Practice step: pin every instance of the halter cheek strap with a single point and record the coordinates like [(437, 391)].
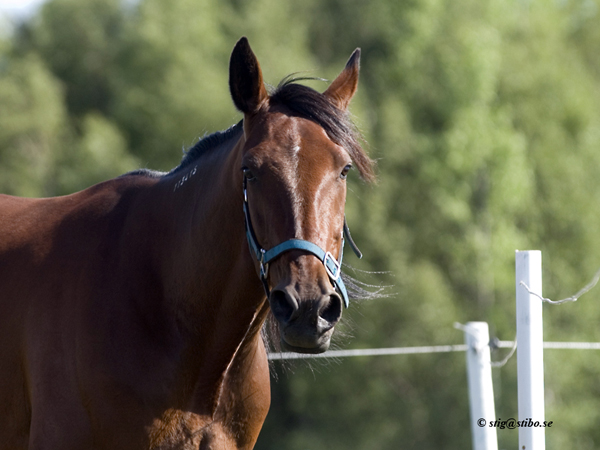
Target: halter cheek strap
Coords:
[(264, 257)]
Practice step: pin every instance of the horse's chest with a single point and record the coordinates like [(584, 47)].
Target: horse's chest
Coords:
[(186, 431)]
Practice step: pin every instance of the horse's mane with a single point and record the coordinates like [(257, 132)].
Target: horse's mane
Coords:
[(207, 143), (204, 145)]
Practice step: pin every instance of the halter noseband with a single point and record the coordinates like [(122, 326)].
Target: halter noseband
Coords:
[(264, 257)]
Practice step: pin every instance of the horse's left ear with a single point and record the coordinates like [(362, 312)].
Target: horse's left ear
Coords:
[(341, 91), (245, 79)]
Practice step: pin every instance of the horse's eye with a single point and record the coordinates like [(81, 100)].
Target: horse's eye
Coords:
[(344, 173), (248, 174)]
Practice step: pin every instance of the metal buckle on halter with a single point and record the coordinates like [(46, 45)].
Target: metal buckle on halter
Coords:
[(264, 267), (334, 273)]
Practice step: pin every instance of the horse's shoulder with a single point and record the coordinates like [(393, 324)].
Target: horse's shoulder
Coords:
[(105, 196)]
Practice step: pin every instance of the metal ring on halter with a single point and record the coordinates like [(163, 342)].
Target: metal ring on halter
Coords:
[(264, 266)]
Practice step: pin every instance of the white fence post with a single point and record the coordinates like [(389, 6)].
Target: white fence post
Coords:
[(530, 350), (481, 389)]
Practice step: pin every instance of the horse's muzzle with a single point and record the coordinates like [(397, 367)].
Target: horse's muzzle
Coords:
[(306, 325)]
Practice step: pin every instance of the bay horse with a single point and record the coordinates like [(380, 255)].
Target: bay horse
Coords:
[(131, 312)]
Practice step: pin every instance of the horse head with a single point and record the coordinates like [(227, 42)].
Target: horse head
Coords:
[(299, 147)]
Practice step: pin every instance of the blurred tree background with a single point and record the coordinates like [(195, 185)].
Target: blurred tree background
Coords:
[(484, 117)]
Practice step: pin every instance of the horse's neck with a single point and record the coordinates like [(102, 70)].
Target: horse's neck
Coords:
[(203, 251), (210, 287)]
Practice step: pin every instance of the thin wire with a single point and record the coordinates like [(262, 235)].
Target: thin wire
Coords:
[(429, 349), (588, 287), (503, 361), (371, 352), (573, 345)]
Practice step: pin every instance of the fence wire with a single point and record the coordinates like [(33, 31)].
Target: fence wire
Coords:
[(425, 349)]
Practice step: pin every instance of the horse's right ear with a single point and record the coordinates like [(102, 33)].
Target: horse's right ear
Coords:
[(245, 79)]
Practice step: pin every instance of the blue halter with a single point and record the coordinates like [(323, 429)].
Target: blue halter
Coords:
[(264, 257)]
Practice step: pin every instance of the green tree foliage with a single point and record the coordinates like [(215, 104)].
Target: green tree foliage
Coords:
[(484, 116), (32, 118), (79, 42)]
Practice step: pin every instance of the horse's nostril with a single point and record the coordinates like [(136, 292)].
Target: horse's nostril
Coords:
[(283, 305), (332, 312)]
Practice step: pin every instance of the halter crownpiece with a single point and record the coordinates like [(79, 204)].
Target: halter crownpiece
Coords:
[(333, 266)]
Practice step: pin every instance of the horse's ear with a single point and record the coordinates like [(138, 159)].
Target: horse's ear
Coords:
[(245, 79), (341, 91)]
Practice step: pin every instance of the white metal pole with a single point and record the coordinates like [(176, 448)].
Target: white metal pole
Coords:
[(530, 350), (481, 389)]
